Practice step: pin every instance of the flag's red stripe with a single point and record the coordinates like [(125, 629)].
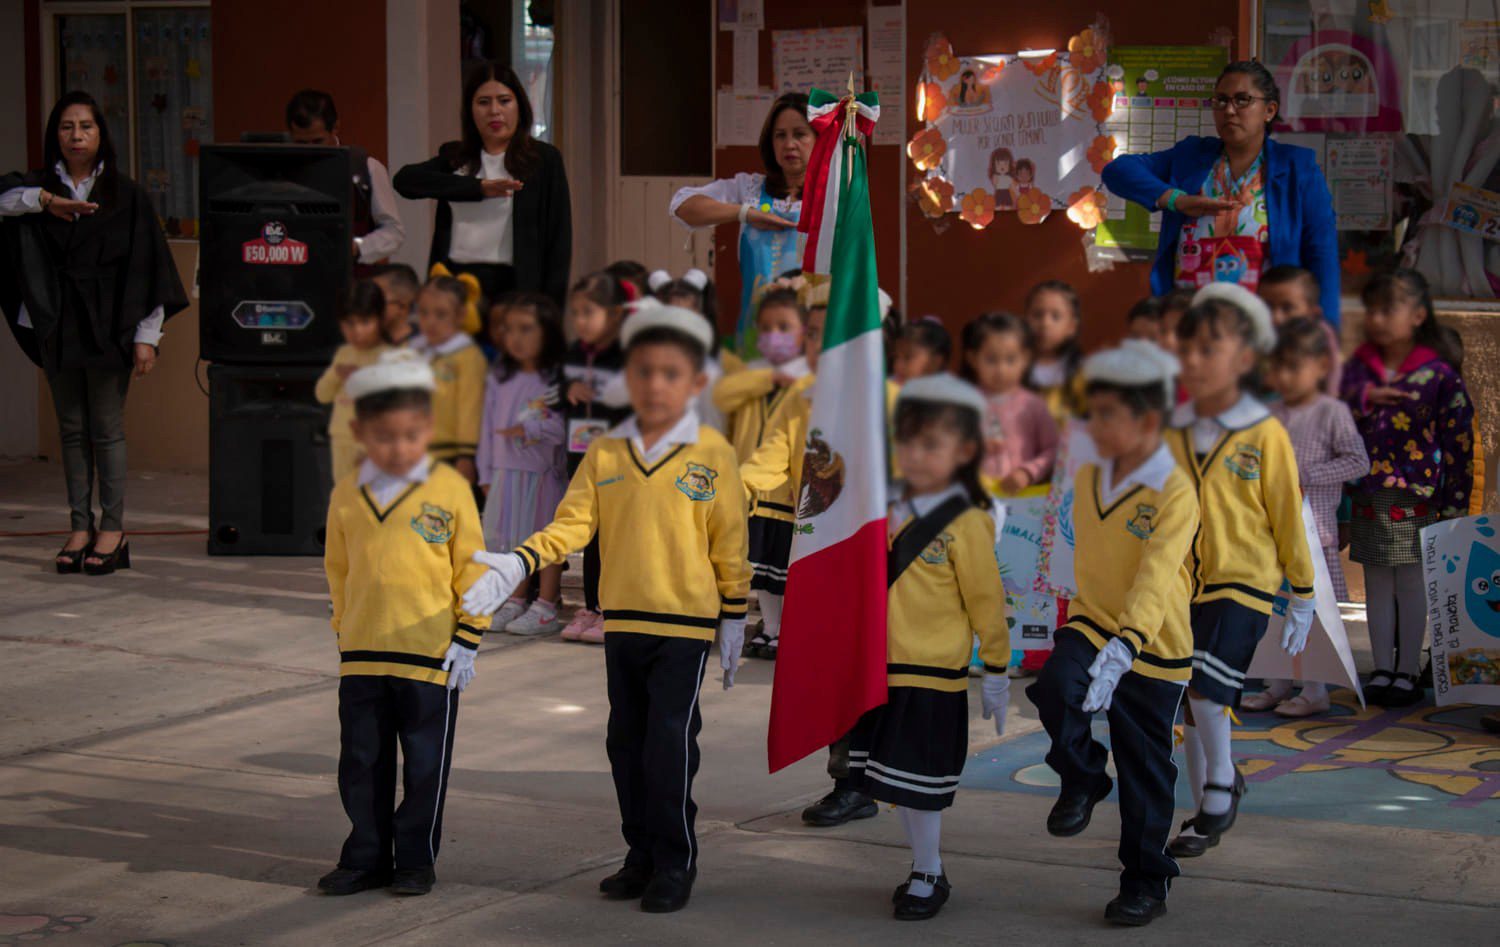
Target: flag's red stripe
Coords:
[(830, 666), (815, 185)]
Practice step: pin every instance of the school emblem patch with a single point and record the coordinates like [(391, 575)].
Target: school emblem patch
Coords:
[(697, 482), (433, 524), (1244, 460), (822, 477), (1143, 523), (936, 553)]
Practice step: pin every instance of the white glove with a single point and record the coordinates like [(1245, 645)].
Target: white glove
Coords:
[(1299, 619), (731, 643), (459, 663), (1109, 666), (493, 589), (994, 697)]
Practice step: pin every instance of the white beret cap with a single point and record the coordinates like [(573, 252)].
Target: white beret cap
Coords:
[(1135, 363), (1248, 303), (396, 369), (885, 302), (943, 388), (651, 314)]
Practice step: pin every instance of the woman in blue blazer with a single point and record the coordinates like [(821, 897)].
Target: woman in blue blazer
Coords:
[(1230, 193)]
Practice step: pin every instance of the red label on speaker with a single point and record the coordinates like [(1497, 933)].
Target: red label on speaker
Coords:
[(273, 247)]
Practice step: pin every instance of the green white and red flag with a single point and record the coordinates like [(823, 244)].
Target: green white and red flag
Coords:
[(831, 661)]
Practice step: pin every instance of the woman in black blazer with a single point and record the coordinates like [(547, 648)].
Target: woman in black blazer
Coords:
[(503, 209), (86, 281)]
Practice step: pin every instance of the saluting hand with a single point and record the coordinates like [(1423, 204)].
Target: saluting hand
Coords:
[(67, 208), (1196, 205), (499, 187)]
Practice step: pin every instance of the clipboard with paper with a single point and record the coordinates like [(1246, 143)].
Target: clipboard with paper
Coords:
[(1327, 657)]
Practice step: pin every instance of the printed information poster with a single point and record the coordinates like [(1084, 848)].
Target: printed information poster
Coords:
[(1032, 613), (1161, 97), (1473, 210), (1359, 172), (1461, 560), (824, 58)]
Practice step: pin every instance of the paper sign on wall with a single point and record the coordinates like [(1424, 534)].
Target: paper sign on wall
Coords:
[(823, 58), (740, 116), (887, 39), (1359, 175), (1473, 210)]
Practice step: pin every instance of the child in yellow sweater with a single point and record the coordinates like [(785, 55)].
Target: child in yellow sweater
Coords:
[(360, 321), (459, 367), (402, 531)]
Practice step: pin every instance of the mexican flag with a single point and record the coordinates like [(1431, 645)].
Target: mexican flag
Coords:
[(830, 666)]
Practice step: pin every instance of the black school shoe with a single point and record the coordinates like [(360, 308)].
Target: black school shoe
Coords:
[(668, 891), (839, 807), (1375, 693), (626, 884), (1190, 846), (1071, 813), (1212, 827), (1396, 697), (1134, 910), (346, 881), (412, 882), (909, 907)]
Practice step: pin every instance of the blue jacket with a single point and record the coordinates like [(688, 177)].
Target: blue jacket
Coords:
[(1304, 231)]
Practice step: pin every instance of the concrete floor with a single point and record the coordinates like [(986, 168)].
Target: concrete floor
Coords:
[(167, 776)]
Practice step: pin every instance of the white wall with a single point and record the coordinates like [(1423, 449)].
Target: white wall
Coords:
[(18, 377), (423, 85)]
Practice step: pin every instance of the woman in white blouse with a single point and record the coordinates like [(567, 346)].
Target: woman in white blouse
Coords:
[(504, 213), (767, 206)]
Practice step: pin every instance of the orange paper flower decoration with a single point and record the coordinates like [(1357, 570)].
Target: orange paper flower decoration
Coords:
[(934, 195), (978, 208), (1032, 206), (1042, 66), (1086, 208), (1087, 51), (1101, 100), (926, 149), (1101, 152), (992, 73), (930, 101), (941, 63)]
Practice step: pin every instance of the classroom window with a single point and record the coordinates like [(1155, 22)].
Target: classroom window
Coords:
[(1398, 99), (150, 68)]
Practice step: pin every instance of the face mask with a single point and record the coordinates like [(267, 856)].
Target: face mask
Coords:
[(779, 347)]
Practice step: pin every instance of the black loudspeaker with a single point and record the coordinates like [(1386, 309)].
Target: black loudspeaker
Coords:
[(269, 466), (275, 252)]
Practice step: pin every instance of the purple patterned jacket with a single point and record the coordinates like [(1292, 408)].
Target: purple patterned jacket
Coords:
[(1424, 446)]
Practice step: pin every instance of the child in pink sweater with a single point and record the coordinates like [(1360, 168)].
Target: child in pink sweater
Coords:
[(1020, 437)]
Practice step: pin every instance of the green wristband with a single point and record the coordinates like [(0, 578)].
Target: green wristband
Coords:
[(1172, 197)]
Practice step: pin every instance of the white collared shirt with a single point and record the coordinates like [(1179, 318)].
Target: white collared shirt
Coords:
[(389, 232), (386, 487), (910, 508), (1049, 374), (28, 200), (1152, 474), (482, 230), (685, 431), (1207, 431), (454, 343)]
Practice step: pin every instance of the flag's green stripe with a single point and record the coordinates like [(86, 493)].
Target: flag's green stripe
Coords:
[(853, 303)]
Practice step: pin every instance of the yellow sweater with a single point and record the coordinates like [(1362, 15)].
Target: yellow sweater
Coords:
[(396, 575), (458, 402), (672, 535), (330, 387), (1251, 535), (1131, 561), (773, 474), (748, 399), (950, 593)]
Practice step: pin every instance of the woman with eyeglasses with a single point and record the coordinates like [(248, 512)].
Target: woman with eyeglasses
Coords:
[(1236, 205)]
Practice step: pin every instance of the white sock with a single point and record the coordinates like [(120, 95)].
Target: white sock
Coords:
[(770, 612), (1214, 735), (924, 832), (544, 608), (1315, 691), (1197, 766)]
